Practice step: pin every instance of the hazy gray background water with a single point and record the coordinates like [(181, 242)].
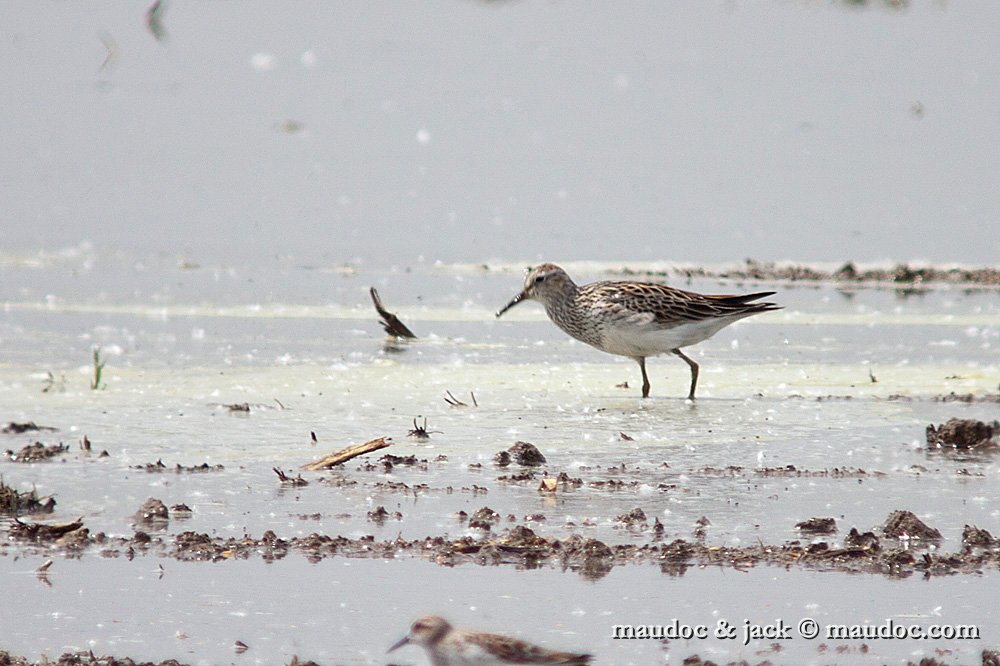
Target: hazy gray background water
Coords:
[(466, 131)]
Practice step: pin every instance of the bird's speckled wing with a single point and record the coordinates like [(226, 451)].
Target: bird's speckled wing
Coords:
[(514, 651), (668, 306)]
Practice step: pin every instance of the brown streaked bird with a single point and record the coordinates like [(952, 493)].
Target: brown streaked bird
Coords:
[(448, 646), (635, 319)]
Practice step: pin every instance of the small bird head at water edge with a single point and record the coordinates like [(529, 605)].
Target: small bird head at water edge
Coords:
[(540, 284), (424, 631)]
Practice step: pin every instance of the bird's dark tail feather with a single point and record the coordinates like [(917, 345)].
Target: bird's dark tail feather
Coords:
[(745, 302)]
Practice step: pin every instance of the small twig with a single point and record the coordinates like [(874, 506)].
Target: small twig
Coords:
[(289, 480), (455, 402), (390, 322), (42, 573), (53, 385)]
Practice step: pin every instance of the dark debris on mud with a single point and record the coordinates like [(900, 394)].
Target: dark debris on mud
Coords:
[(968, 397), (37, 452), (963, 434), (153, 513), (790, 471), (817, 526), (82, 659), (520, 546), (903, 525), (16, 428), (159, 466), (90, 659), (14, 503), (41, 532), (525, 454), (848, 273)]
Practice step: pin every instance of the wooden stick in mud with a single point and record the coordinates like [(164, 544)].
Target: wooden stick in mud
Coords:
[(337, 457), (41, 531), (390, 322)]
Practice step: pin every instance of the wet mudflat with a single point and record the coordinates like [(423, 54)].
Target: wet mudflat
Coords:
[(199, 198), (803, 483)]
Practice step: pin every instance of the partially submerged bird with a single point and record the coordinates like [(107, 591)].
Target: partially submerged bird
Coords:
[(448, 646), (635, 319)]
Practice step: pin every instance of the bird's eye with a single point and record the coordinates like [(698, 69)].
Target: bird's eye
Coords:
[(539, 279)]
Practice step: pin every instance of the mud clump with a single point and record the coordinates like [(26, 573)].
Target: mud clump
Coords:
[(862, 541), (634, 519), (523, 537), (13, 503), (594, 559), (974, 537), (388, 461), (192, 546), (904, 525), (153, 513), (963, 434), (484, 518), (380, 515), (37, 452), (522, 453), (817, 526)]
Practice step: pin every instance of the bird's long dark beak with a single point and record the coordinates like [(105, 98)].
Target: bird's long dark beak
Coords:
[(398, 644), (514, 301)]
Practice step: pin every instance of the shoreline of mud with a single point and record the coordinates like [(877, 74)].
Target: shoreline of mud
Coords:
[(860, 553), (899, 276)]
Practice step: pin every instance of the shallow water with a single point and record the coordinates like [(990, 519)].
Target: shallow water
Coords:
[(788, 388), (349, 611)]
